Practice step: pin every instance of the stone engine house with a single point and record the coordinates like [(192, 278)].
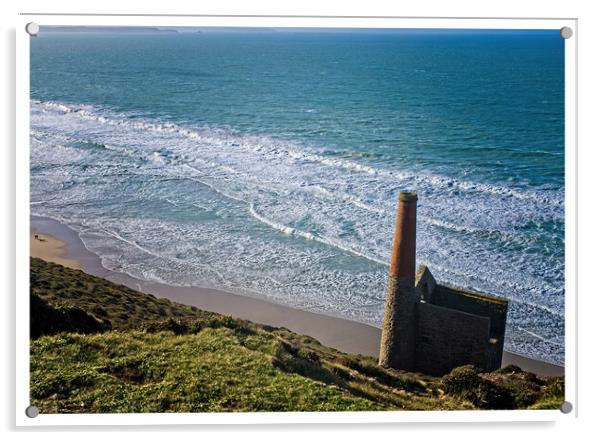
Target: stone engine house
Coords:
[(433, 328)]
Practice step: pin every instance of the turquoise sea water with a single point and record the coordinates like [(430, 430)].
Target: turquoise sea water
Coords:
[(267, 162)]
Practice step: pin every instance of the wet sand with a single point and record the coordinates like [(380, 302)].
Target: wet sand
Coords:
[(65, 245)]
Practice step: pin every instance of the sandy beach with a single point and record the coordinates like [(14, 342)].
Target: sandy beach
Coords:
[(60, 244), (49, 248)]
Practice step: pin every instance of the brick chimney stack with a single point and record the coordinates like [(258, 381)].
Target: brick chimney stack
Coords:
[(399, 323)]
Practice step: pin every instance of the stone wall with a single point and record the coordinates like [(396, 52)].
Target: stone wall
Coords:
[(495, 352), (474, 303), (447, 338), (425, 283)]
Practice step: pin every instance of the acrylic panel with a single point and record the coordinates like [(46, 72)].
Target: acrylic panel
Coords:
[(223, 218)]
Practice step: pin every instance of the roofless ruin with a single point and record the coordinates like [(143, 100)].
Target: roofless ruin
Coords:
[(430, 327)]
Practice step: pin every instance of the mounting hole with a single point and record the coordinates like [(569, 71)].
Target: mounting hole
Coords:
[(32, 411), (32, 28), (566, 407), (566, 32)]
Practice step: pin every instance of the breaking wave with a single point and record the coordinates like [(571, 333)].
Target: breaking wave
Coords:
[(305, 225)]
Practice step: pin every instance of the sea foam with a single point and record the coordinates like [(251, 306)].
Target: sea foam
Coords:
[(262, 215)]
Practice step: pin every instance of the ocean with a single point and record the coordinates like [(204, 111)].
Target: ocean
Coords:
[(267, 162)]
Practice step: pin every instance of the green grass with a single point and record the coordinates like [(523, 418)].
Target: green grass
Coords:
[(152, 355), (141, 372), (121, 306)]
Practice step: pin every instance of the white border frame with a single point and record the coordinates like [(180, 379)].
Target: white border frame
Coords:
[(22, 221)]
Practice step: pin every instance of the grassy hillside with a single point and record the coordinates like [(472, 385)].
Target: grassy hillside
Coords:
[(106, 348)]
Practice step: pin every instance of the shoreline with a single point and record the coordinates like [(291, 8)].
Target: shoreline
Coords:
[(64, 244)]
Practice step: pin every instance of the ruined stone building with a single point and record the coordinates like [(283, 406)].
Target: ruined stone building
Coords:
[(430, 327)]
